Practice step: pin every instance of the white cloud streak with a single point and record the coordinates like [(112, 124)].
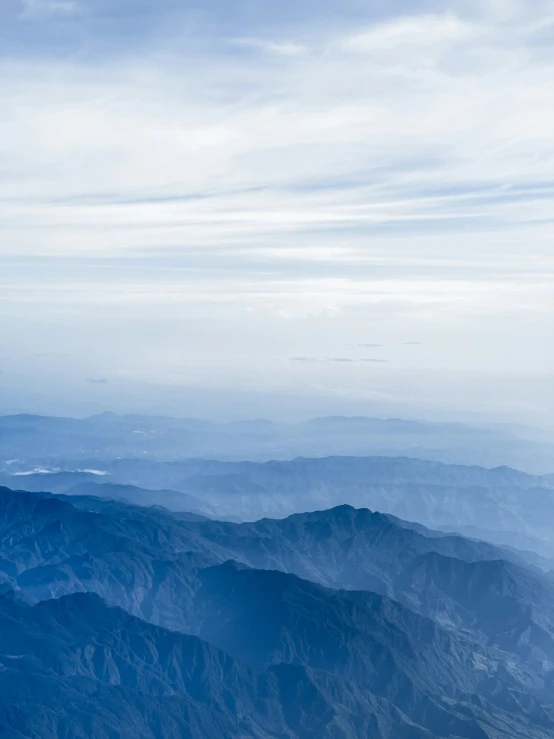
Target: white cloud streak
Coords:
[(41, 9), (276, 48)]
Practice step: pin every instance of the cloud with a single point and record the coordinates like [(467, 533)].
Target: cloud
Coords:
[(241, 152), (51, 355), (407, 33), (338, 360), (37, 9), (274, 48), (97, 381)]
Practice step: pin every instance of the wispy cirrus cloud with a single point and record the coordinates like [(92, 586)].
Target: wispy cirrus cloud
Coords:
[(408, 33)]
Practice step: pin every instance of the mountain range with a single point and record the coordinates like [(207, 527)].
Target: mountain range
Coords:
[(340, 623), (153, 584)]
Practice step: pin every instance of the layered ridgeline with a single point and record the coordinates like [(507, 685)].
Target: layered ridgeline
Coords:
[(502, 505), (343, 623)]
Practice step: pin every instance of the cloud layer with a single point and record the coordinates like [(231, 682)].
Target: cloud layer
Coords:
[(205, 181)]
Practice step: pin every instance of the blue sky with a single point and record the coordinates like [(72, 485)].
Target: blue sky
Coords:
[(235, 195)]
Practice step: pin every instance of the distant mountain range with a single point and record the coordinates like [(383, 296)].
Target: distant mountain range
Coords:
[(40, 439)]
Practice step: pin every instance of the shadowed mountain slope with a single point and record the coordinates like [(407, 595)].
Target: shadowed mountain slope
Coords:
[(75, 668)]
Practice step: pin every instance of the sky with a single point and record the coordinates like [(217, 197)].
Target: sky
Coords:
[(231, 208)]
